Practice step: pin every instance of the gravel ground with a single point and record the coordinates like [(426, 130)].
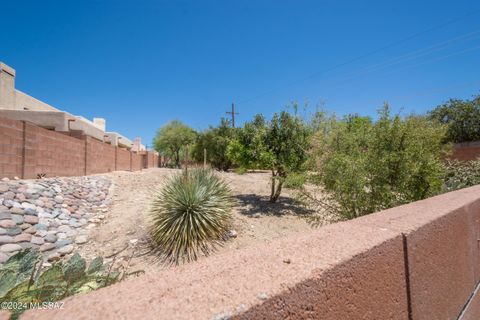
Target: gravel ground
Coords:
[(125, 226)]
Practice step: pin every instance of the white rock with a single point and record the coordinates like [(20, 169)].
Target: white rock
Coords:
[(66, 249), (81, 239)]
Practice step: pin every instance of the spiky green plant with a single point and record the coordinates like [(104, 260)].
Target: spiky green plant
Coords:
[(190, 215)]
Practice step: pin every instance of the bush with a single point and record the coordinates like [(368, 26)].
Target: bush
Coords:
[(215, 141), (295, 180), (461, 174), (190, 215), (367, 166), (462, 118), (23, 281)]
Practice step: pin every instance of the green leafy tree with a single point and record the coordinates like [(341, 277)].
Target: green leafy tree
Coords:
[(462, 118), (215, 141), (172, 139), (279, 145), (367, 166)]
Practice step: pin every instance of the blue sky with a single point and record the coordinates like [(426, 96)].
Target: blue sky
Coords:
[(140, 64)]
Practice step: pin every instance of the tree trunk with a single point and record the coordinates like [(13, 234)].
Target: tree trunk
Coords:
[(276, 187), (272, 192), (177, 159)]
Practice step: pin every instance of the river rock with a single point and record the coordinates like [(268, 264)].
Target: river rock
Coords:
[(23, 237), (65, 250), (10, 247), (7, 223), (6, 239)]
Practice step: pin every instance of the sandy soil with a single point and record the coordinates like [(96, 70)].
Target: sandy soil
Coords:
[(125, 225)]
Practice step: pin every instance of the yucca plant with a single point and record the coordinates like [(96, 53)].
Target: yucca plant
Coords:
[(190, 215)]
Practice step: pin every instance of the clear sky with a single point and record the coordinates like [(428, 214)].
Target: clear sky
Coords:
[(140, 64)]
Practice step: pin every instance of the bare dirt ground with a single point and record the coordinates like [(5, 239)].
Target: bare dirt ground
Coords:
[(124, 227)]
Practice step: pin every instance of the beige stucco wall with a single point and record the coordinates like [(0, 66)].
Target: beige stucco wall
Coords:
[(18, 105), (25, 102), (7, 87)]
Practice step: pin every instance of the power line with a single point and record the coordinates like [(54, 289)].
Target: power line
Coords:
[(423, 51), (372, 70), (360, 57)]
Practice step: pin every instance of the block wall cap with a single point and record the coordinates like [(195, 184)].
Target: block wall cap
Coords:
[(7, 69)]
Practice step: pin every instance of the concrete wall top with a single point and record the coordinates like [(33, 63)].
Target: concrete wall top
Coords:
[(25, 102), (7, 69), (356, 269)]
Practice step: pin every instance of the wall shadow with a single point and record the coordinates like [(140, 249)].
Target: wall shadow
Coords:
[(254, 205)]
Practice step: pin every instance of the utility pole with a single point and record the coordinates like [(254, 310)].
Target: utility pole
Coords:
[(233, 113)]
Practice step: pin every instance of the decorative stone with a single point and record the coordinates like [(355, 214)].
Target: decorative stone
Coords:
[(3, 187), (61, 236), (31, 211), (31, 230), (10, 247), (8, 195), (64, 216), (232, 233), (25, 226), (50, 213), (23, 237), (50, 238), (7, 223), (20, 197), (41, 233), (6, 239), (30, 219), (62, 243), (54, 257), (71, 233), (17, 218), (40, 226), (13, 231), (5, 215), (37, 240), (45, 215), (3, 257), (65, 250), (64, 229), (81, 239), (28, 205), (46, 247), (28, 245)]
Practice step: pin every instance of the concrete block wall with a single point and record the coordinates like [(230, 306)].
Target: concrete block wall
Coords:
[(27, 150), (11, 147), (137, 161), (417, 261), (123, 159), (53, 154), (100, 156), (466, 151)]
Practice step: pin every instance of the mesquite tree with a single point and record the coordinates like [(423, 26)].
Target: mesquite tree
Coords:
[(279, 145), (172, 138)]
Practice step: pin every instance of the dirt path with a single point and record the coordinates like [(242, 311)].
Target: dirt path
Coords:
[(125, 224)]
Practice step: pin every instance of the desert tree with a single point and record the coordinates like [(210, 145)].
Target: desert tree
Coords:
[(173, 138), (279, 145)]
